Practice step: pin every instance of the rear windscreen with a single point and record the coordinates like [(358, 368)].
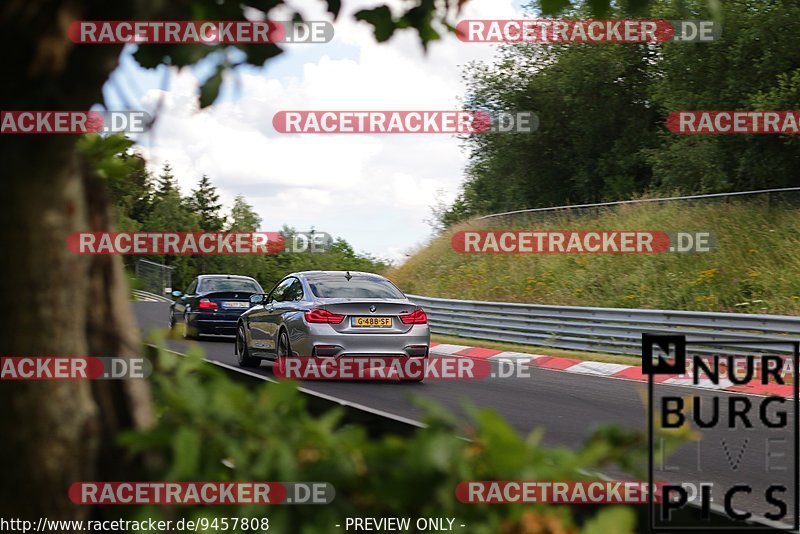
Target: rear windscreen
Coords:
[(354, 288), (222, 284)]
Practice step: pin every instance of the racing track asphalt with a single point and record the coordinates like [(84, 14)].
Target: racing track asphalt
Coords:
[(568, 406)]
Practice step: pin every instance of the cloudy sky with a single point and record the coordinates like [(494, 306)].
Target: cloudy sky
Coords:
[(373, 190)]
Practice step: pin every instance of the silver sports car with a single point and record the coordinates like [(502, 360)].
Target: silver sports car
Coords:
[(331, 314)]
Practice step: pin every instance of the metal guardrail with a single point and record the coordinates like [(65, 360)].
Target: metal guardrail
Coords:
[(580, 207), (154, 278), (148, 297), (609, 330)]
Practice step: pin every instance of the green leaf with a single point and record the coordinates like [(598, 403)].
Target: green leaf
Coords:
[(210, 89), (334, 6), (381, 19), (420, 18)]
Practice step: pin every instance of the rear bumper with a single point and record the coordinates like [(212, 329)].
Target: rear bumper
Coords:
[(412, 343), (207, 323)]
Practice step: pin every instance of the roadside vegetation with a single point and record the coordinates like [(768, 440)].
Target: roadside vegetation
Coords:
[(602, 111), (751, 269), (209, 427)]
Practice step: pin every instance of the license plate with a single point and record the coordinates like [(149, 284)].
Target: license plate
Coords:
[(235, 304), (371, 322)]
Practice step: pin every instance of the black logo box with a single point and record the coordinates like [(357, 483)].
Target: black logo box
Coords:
[(675, 345)]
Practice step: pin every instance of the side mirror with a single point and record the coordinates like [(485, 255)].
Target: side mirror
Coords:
[(177, 294), (256, 299)]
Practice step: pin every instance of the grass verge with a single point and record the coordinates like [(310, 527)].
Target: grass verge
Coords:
[(752, 268)]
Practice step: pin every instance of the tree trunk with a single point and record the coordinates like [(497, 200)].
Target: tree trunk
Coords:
[(55, 433), (50, 428)]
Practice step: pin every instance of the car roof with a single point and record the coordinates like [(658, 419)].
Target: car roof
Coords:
[(329, 274), (226, 276)]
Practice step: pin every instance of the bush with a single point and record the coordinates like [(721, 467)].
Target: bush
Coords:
[(210, 428)]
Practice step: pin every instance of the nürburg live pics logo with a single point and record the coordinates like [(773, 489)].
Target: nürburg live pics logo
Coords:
[(738, 400)]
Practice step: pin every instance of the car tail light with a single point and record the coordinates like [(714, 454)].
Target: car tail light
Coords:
[(206, 304), (318, 315), (415, 317)]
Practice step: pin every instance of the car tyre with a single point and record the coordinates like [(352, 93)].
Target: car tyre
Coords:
[(282, 352), (173, 324), (188, 331), (242, 352)]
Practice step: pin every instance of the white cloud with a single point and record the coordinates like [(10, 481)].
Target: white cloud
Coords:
[(373, 190)]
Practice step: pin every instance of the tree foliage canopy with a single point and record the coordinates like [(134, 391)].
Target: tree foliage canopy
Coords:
[(602, 109)]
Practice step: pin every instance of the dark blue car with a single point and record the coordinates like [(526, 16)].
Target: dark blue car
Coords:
[(211, 304)]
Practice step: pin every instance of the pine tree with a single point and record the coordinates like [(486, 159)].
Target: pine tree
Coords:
[(166, 182), (204, 201), (243, 218)]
